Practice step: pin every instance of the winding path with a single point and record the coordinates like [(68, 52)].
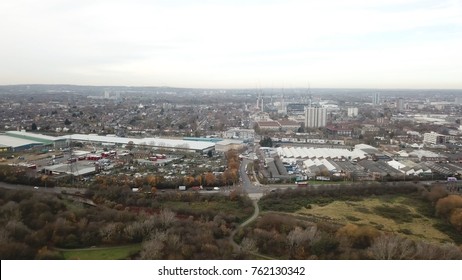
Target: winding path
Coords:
[(237, 247)]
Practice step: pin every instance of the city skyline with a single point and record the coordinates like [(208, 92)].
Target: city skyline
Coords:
[(233, 44)]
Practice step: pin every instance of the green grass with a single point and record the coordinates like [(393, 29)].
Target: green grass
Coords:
[(405, 214), (107, 253), (397, 213)]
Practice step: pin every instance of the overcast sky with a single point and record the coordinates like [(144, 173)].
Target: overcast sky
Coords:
[(233, 44)]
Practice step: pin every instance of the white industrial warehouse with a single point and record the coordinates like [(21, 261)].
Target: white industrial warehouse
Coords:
[(166, 143), (20, 140), (319, 153)]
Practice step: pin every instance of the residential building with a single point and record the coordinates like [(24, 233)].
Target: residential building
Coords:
[(400, 104), (289, 125), (352, 112), (239, 133), (269, 125), (376, 99), (434, 138), (315, 117)]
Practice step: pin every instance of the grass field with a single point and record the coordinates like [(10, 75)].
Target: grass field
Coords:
[(107, 253), (395, 213)]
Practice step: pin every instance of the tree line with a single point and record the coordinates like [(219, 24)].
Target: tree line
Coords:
[(33, 224)]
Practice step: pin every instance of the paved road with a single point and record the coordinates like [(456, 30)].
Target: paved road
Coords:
[(252, 189), (57, 190)]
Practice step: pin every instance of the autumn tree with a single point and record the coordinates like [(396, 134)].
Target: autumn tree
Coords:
[(446, 205), (357, 236), (188, 181), (456, 219), (210, 179), (151, 180), (435, 193)]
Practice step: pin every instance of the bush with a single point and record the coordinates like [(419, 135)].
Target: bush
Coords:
[(405, 231), (399, 214), (446, 205), (448, 229), (352, 218), (324, 246), (359, 237), (435, 193), (456, 219)]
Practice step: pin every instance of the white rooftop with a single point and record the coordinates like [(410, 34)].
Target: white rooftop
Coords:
[(305, 153), (423, 153), (9, 141), (30, 134), (155, 142)]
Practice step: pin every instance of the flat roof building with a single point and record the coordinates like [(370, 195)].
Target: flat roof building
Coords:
[(161, 143), (315, 117), (45, 140), (14, 144), (434, 138)]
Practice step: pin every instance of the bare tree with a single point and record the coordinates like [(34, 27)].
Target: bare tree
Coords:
[(392, 247), (249, 246), (11, 210), (108, 232), (450, 252), (167, 217), (154, 247), (134, 231), (427, 251), (152, 250), (298, 236), (174, 242), (4, 236)]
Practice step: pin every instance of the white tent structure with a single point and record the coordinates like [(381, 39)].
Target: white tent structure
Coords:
[(320, 153)]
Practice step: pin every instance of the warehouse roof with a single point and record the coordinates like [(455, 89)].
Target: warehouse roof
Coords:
[(9, 141), (305, 153), (32, 136), (154, 142)]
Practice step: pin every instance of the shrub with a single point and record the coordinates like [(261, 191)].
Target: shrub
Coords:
[(456, 219), (359, 237), (325, 245), (399, 214), (446, 205)]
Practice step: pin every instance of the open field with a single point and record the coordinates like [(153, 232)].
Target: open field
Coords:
[(107, 253), (403, 214)]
